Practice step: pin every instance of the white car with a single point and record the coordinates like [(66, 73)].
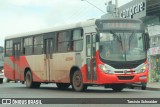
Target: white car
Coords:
[(1, 76)]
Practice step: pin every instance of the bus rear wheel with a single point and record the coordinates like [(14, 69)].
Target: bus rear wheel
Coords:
[(29, 81), (118, 87), (77, 82), (62, 85), (144, 86)]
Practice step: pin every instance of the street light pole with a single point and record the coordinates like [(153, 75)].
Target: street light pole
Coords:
[(94, 5)]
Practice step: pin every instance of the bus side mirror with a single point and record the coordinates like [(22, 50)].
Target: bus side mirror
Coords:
[(147, 41), (97, 38)]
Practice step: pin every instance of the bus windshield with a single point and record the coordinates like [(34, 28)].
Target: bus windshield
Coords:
[(122, 46)]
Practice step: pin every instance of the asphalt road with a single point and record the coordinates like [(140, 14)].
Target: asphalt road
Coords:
[(18, 90)]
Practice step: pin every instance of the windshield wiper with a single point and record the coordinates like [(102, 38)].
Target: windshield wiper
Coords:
[(118, 38)]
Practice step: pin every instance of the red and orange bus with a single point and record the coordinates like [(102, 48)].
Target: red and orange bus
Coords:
[(109, 52)]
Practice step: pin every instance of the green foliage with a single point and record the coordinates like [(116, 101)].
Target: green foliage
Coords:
[(155, 75)]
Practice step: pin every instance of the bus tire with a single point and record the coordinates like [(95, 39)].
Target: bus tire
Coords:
[(62, 85), (118, 87), (29, 81), (8, 80), (1, 80), (143, 87), (77, 82)]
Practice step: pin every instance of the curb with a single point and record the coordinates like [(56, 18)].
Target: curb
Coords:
[(153, 89)]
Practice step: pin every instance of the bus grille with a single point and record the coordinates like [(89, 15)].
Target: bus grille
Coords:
[(125, 77), (123, 72)]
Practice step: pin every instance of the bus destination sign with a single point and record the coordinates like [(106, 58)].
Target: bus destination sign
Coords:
[(121, 26)]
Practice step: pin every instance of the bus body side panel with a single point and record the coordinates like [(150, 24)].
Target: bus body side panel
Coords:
[(9, 71), (62, 65), (36, 64), (24, 62)]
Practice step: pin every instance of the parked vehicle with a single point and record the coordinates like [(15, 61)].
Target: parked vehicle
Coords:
[(1, 65), (1, 75)]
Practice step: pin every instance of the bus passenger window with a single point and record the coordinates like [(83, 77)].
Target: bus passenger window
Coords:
[(38, 44), (8, 50), (28, 46), (77, 40), (88, 45), (70, 46), (23, 51), (59, 42), (64, 41)]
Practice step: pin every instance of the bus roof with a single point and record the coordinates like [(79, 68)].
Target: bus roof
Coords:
[(90, 22)]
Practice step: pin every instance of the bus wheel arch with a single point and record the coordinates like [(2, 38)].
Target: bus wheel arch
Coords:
[(25, 71), (28, 78), (76, 79), (73, 69)]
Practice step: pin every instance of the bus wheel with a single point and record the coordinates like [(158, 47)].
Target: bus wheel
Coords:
[(144, 86), (29, 81), (118, 87), (8, 80), (62, 85), (1, 80), (77, 82)]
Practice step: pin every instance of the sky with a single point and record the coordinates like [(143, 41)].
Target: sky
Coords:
[(19, 16)]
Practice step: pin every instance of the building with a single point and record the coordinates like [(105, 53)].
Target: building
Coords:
[(149, 12)]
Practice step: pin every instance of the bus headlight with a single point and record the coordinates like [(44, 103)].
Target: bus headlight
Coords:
[(105, 69), (141, 69)]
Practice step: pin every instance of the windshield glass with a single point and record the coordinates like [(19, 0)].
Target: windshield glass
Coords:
[(122, 46)]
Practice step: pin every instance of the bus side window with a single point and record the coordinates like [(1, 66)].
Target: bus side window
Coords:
[(65, 43), (59, 45), (38, 44), (77, 40), (28, 45), (9, 48), (23, 51), (88, 46)]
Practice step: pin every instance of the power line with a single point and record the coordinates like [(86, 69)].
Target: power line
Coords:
[(94, 5)]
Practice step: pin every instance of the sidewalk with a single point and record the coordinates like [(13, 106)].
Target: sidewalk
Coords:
[(153, 86)]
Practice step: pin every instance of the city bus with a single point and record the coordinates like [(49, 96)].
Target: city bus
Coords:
[(105, 52)]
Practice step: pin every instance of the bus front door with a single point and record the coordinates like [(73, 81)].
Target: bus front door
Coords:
[(48, 58), (91, 57), (16, 50)]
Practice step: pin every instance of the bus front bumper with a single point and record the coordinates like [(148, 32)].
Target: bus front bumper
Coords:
[(123, 78)]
